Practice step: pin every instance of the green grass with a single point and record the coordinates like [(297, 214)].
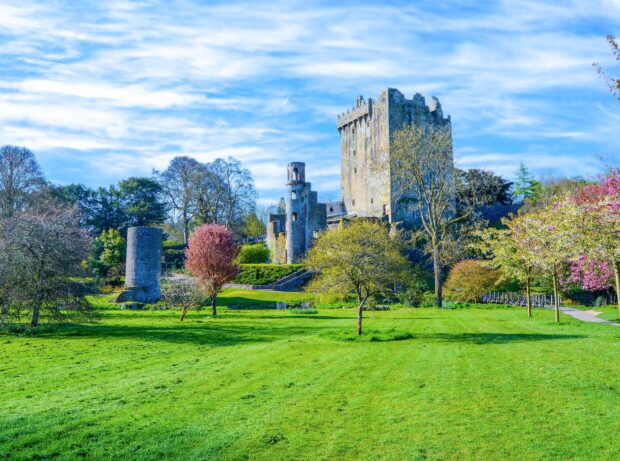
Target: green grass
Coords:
[(268, 385)]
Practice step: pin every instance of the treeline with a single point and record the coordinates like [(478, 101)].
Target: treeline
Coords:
[(50, 234)]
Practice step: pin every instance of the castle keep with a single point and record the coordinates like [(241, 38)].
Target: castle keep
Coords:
[(366, 131), (368, 182)]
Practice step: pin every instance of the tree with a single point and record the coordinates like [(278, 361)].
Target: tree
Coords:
[(547, 246), (210, 257), (550, 190), (590, 220), (475, 188), (141, 202), (469, 280), (254, 227), (20, 179), (239, 191), (424, 173), (184, 294), (361, 258), (612, 83), (179, 182), (107, 254), (511, 252), (526, 186), (39, 251)]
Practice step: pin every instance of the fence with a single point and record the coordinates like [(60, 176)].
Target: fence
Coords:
[(519, 299)]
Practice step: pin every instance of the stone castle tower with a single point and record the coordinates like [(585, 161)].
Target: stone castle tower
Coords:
[(366, 131), (304, 217)]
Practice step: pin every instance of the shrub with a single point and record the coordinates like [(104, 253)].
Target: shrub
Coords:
[(264, 274), (303, 311), (182, 294), (469, 280), (253, 254)]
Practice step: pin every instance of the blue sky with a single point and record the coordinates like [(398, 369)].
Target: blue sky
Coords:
[(104, 90)]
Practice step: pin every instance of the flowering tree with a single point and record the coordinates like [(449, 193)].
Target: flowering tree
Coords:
[(547, 245), (591, 219), (210, 257), (590, 273), (512, 252)]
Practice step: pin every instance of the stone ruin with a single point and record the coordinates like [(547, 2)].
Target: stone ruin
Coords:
[(143, 266)]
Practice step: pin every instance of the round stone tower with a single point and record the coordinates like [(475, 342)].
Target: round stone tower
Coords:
[(295, 212), (143, 265)]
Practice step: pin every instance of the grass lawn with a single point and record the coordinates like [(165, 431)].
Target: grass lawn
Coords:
[(256, 384)]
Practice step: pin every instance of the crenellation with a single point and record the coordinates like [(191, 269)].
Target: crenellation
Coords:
[(361, 109)]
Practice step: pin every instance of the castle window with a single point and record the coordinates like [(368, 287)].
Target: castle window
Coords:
[(385, 210), (294, 216), (354, 152), (354, 170), (295, 174), (331, 209), (353, 202), (372, 200), (294, 195)]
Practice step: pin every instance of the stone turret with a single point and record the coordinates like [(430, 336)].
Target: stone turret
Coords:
[(295, 212), (143, 265)]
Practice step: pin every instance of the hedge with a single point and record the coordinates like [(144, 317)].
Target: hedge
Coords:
[(264, 274)]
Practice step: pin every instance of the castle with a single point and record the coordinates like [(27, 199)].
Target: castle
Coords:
[(368, 183)]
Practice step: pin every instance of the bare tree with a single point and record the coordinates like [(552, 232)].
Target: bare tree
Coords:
[(240, 194), (20, 178), (612, 83), (423, 169), (39, 251), (211, 195), (179, 182)]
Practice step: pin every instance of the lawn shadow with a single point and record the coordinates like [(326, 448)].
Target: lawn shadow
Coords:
[(211, 333), (495, 338)]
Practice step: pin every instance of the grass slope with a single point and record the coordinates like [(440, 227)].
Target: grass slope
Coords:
[(421, 384)]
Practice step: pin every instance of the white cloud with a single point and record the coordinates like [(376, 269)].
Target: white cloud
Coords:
[(131, 84)]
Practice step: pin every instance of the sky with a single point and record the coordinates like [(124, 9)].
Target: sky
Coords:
[(105, 90)]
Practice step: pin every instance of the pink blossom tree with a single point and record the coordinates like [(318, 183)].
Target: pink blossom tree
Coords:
[(592, 219), (210, 257)]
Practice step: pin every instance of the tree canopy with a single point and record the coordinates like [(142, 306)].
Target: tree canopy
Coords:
[(360, 258)]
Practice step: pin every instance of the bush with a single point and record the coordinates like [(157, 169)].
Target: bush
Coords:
[(469, 280), (253, 254), (264, 274), (303, 311)]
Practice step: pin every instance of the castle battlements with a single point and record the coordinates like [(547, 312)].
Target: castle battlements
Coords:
[(361, 109)]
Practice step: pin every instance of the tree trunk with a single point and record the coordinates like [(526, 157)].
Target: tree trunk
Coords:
[(185, 224), (617, 274), (35, 315), (437, 271), (556, 300), (360, 307), (213, 307), (528, 296), (183, 313)]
